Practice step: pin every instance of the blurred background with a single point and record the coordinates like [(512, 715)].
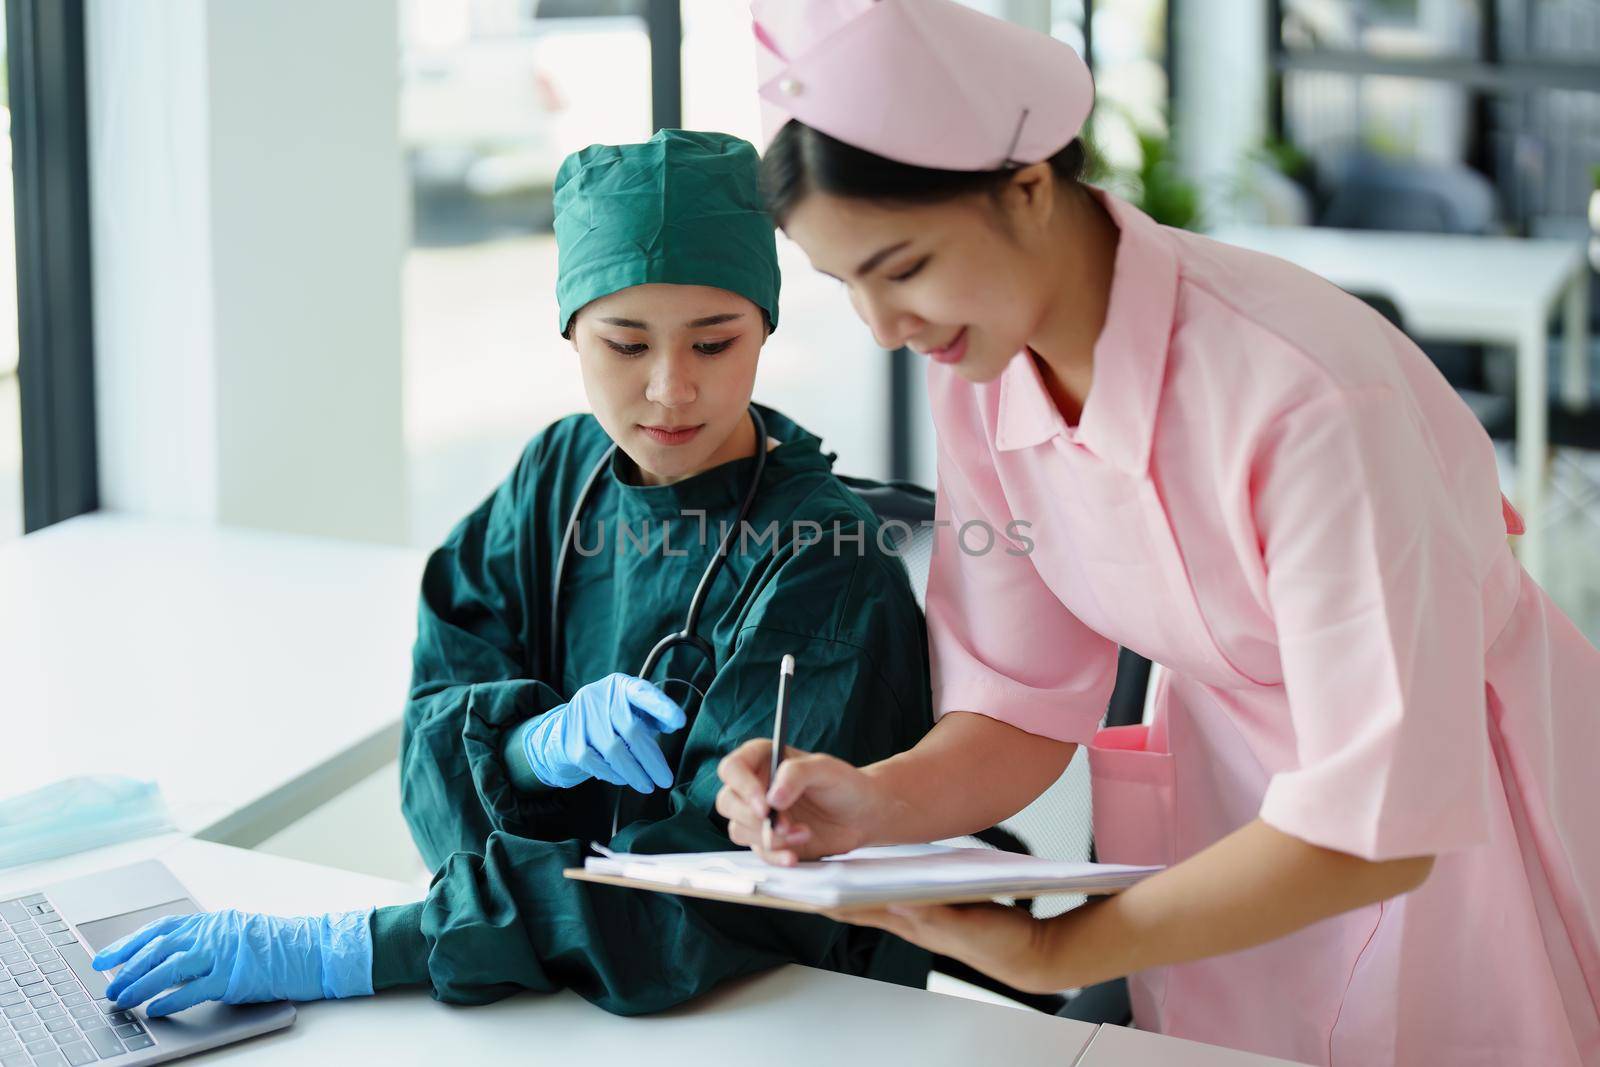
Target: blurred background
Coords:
[(295, 269), (308, 284), (1463, 116), (287, 266)]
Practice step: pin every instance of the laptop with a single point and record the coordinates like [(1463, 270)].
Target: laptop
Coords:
[(53, 1011)]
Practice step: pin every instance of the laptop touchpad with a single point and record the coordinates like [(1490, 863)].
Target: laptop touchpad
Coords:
[(103, 932)]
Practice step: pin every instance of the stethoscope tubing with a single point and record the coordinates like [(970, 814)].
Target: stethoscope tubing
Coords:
[(690, 634)]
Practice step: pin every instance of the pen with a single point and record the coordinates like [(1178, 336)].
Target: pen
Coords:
[(785, 673)]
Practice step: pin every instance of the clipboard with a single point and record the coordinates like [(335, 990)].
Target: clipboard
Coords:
[(734, 893)]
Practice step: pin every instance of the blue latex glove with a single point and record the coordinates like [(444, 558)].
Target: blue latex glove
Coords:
[(607, 731), (240, 958)]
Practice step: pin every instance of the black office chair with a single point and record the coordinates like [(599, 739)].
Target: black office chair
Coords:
[(1367, 192), (1570, 433), (1059, 824), (1496, 413)]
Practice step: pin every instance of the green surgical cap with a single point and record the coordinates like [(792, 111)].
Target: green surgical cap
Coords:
[(683, 208)]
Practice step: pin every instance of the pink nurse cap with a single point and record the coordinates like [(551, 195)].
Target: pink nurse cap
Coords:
[(926, 82)]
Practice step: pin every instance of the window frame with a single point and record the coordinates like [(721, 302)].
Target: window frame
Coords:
[(55, 321)]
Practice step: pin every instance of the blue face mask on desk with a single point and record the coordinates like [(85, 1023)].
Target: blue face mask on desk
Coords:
[(77, 814)]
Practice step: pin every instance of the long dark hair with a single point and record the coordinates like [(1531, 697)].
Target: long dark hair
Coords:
[(802, 160)]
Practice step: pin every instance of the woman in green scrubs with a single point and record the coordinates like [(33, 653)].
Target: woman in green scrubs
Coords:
[(519, 740)]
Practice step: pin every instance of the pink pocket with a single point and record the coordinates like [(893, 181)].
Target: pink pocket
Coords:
[(1515, 527), (1132, 788)]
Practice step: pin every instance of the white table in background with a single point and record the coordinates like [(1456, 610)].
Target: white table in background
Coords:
[(252, 675), (1448, 287)]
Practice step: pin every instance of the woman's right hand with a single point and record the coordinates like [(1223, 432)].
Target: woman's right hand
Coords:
[(826, 805), (608, 731)]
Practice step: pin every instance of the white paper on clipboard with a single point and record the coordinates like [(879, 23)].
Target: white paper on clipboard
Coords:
[(889, 873)]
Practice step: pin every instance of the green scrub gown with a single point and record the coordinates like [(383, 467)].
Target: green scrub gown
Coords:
[(499, 916)]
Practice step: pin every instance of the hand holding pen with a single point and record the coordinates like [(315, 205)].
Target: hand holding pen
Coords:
[(789, 805)]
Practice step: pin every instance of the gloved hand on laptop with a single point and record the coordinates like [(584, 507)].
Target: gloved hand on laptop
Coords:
[(240, 958)]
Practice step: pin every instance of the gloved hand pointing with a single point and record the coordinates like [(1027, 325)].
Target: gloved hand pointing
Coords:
[(607, 731)]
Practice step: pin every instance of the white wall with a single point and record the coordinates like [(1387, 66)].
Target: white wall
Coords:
[(249, 217)]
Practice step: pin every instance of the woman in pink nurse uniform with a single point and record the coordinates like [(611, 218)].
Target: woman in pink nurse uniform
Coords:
[(1373, 767)]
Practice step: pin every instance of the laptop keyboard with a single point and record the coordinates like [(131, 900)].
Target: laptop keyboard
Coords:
[(53, 1010)]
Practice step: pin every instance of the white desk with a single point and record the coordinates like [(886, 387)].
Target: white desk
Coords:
[(796, 1015), (1494, 290), (252, 675), (1118, 1046)]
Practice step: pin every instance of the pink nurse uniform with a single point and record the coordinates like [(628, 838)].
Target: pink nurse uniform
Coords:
[(1273, 495)]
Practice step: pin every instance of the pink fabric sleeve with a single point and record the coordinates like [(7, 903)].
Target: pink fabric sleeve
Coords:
[(1000, 642), (1378, 605)]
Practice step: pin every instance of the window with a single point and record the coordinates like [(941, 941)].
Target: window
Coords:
[(10, 399), (494, 94), (821, 367), (1126, 46), (46, 326)]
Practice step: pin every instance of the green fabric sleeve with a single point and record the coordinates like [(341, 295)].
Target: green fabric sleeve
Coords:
[(399, 951), (477, 658), (518, 767)]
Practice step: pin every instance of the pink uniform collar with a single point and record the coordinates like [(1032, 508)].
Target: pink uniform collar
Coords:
[(1130, 358)]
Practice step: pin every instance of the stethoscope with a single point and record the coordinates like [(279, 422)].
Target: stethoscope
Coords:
[(689, 636)]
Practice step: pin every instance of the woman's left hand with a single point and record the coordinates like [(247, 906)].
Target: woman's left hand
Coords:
[(239, 958), (1001, 941)]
